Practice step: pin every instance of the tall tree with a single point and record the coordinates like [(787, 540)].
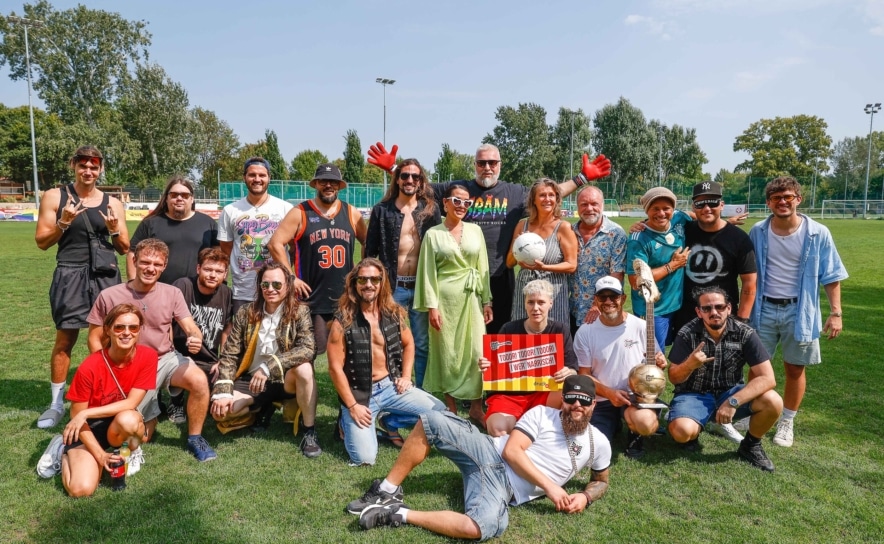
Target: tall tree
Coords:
[(797, 146), (849, 159), (353, 158), (16, 161), (569, 123), (522, 136), (79, 58), (622, 134), (303, 166), (453, 165), (211, 141), (155, 112), (278, 168), (678, 151)]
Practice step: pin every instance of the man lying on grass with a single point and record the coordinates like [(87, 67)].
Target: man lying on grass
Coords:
[(546, 449)]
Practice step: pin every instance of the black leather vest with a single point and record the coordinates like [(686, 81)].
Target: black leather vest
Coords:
[(357, 363)]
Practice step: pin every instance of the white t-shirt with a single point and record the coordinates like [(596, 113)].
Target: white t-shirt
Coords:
[(611, 352), (783, 258), (249, 228), (549, 451)]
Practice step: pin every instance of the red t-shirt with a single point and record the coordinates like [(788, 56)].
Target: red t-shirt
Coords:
[(94, 385)]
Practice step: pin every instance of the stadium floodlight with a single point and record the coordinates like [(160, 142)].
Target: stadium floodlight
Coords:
[(36, 24), (870, 109), (384, 81)]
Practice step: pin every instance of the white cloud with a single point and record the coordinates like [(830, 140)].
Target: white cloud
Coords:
[(873, 10), (747, 80), (653, 26)]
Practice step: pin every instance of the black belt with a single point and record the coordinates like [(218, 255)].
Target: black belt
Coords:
[(780, 301), (405, 284)]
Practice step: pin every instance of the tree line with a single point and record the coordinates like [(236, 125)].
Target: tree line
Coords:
[(92, 70)]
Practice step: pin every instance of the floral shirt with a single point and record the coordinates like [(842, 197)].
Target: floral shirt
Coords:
[(603, 255)]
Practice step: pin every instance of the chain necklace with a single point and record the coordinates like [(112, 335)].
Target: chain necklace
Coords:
[(140, 298), (529, 330), (574, 447), (330, 213)]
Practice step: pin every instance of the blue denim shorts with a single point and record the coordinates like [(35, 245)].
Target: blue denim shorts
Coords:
[(777, 326), (702, 406), (487, 491)]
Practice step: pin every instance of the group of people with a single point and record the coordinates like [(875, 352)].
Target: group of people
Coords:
[(403, 326)]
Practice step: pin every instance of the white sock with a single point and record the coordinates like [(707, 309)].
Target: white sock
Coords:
[(404, 513), (57, 395), (387, 487), (788, 414)]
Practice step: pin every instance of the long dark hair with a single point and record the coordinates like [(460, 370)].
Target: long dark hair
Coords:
[(348, 304), (424, 192), (163, 206), (291, 302)]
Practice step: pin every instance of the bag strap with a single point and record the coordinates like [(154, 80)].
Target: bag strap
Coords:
[(103, 356)]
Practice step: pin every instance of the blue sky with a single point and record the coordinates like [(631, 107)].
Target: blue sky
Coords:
[(307, 69)]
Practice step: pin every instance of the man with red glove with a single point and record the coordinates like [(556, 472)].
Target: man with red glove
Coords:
[(498, 206)]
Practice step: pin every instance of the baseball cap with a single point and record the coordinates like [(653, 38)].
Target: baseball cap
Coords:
[(330, 172), (655, 193), (578, 386), (609, 283), (707, 188)]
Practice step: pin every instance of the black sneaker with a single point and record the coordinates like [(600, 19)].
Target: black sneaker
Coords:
[(175, 410), (310, 445), (262, 420), (377, 515), (635, 445), (755, 456), (693, 446), (375, 497)]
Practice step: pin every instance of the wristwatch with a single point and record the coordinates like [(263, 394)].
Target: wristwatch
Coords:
[(733, 402)]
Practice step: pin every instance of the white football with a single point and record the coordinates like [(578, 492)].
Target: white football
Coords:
[(529, 247)]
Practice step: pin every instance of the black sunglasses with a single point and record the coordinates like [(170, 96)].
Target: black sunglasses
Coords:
[(403, 176)]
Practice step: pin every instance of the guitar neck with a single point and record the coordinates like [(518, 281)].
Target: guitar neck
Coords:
[(651, 347)]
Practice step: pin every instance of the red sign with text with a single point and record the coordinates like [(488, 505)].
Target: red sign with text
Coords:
[(522, 362)]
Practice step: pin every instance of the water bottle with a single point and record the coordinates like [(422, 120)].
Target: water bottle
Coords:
[(125, 452), (118, 473)]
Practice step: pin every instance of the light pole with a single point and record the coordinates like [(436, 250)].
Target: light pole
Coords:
[(572, 144), (219, 178), (36, 24), (660, 164), (384, 81), (871, 109)]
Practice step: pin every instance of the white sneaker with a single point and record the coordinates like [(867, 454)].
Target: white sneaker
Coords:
[(742, 425), (727, 430), (50, 462), (784, 436), (136, 459)]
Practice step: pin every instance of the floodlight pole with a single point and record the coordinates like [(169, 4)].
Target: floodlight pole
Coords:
[(36, 24), (384, 81), (871, 109)]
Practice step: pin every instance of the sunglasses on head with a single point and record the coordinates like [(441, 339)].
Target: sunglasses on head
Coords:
[(120, 327), (403, 176), (711, 202), (375, 280), (782, 198), (491, 163), (88, 159), (460, 201), (717, 307), (582, 399), (276, 285)]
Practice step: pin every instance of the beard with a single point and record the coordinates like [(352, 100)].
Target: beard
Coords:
[(574, 428), (487, 182), (591, 220), (330, 199)]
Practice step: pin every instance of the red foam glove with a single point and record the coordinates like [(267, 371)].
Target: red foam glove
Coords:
[(378, 156), (598, 168)]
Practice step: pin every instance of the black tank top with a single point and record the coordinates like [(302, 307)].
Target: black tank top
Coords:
[(324, 255), (73, 246)]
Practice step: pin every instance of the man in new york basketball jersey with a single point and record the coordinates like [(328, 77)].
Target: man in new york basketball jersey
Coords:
[(323, 233)]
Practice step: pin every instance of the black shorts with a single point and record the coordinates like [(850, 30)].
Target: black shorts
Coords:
[(99, 428), (273, 391), (73, 292)]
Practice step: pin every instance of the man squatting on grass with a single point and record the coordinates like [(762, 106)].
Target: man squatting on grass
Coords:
[(268, 357), (546, 449), (707, 385), (370, 357), (161, 304)]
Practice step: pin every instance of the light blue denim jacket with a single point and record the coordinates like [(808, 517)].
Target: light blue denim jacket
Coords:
[(820, 265)]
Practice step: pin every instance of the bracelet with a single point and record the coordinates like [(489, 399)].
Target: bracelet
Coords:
[(59, 224), (588, 498), (835, 314), (351, 407), (580, 180), (114, 234), (668, 268)]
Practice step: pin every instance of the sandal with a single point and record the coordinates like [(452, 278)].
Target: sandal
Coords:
[(392, 436)]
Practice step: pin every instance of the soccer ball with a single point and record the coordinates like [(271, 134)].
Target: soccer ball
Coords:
[(529, 247)]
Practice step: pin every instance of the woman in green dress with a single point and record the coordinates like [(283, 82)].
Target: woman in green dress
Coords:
[(453, 285)]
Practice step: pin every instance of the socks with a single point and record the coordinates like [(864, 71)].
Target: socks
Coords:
[(789, 414), (404, 513), (751, 440), (387, 487), (57, 390)]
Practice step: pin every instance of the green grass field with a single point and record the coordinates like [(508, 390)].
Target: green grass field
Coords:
[(827, 488)]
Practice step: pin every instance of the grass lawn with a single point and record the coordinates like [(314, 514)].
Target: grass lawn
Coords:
[(827, 488)]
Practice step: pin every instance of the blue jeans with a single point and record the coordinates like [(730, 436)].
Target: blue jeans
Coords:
[(362, 443), (701, 407), (486, 488), (661, 329), (420, 330)]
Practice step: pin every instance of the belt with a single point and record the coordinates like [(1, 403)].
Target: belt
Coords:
[(405, 284), (780, 301)]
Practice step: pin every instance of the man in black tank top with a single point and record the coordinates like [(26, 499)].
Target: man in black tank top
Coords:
[(323, 233), (62, 220)]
